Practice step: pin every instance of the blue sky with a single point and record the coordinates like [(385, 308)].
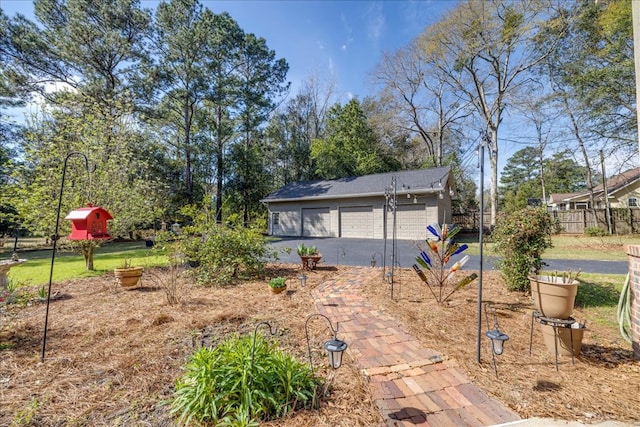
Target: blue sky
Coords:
[(335, 40), (342, 40)]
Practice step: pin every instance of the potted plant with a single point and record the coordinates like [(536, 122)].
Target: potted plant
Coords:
[(568, 339), (127, 276), (309, 256), (278, 284), (554, 295)]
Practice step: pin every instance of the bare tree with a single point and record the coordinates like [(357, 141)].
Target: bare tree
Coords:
[(421, 99), (486, 49)]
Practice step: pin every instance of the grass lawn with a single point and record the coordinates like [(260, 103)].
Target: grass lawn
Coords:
[(581, 247), (70, 265)]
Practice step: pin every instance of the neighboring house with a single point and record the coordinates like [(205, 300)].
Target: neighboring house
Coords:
[(363, 206), (623, 191)]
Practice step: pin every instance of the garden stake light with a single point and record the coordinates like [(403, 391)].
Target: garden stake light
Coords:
[(303, 280), (334, 347), (253, 345), (253, 350), (55, 241), (373, 259), (497, 338)]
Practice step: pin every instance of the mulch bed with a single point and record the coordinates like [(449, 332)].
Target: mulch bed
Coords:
[(113, 355)]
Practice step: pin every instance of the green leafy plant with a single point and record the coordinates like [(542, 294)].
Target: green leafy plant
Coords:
[(595, 232), (222, 386), (278, 282), (521, 237), (306, 250)]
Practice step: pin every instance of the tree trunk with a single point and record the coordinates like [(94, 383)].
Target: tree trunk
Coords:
[(220, 165), (88, 248)]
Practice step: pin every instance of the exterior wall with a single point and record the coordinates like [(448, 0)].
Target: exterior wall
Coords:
[(290, 213), (621, 197), (633, 252), (290, 219)]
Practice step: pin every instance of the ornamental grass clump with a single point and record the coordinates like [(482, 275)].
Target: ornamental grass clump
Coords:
[(520, 238), (221, 386)]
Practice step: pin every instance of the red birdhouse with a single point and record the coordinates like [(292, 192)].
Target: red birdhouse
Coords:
[(89, 223)]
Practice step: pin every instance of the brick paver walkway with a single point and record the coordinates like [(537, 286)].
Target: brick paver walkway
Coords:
[(410, 384)]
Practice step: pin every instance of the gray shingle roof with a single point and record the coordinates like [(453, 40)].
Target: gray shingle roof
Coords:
[(420, 181)]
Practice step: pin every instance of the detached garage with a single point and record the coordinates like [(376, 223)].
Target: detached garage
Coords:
[(356, 221), (363, 207)]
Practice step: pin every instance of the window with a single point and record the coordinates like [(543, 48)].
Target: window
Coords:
[(581, 206), (632, 202), (275, 218)]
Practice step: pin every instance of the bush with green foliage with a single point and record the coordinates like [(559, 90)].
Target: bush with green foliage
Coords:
[(521, 237), (222, 253), (221, 386), (595, 231)]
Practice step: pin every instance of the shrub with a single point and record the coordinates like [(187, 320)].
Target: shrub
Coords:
[(595, 232), (521, 237), (222, 253), (221, 386)]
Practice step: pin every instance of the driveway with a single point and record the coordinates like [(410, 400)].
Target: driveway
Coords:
[(360, 252)]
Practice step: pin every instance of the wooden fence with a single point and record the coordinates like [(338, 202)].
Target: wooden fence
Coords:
[(623, 220)]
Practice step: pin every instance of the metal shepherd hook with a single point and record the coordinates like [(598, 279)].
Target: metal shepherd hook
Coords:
[(55, 241)]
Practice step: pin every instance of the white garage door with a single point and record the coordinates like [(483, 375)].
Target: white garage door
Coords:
[(411, 222), (356, 222), (316, 222)]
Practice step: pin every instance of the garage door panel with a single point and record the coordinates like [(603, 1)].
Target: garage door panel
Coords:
[(411, 222), (356, 221), (316, 222)]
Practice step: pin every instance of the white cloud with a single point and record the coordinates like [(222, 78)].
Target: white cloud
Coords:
[(348, 30), (375, 21)]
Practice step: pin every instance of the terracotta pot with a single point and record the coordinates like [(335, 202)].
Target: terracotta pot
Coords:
[(563, 338), (128, 278), (553, 298), (278, 290)]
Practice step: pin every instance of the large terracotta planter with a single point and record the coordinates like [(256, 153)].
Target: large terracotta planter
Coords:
[(129, 277), (552, 297), (563, 336)]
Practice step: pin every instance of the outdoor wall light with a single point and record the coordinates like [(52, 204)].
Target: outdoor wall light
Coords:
[(303, 280), (334, 347)]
